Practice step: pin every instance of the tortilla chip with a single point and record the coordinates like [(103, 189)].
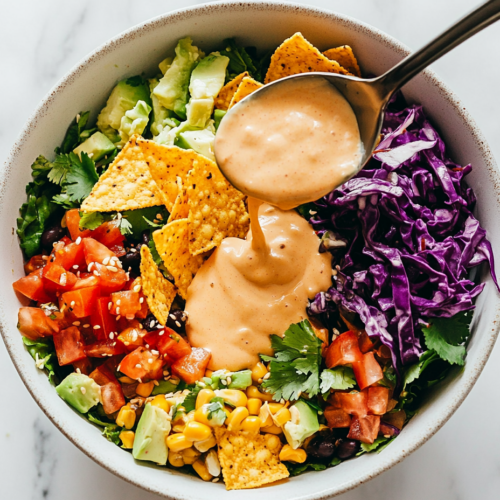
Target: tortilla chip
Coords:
[(216, 209), (345, 57), (172, 243), (180, 210), (166, 163), (246, 87), (296, 55), (126, 185), (159, 292), (249, 460), (226, 93)]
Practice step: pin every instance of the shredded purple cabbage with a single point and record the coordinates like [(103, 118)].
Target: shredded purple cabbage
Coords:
[(411, 237)]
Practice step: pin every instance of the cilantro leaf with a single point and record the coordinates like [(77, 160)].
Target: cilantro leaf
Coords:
[(216, 410), (340, 378), (445, 336), (76, 133), (137, 219), (296, 362), (81, 177), (90, 220), (413, 372), (110, 430), (125, 226), (60, 168), (189, 402), (378, 445), (43, 349)]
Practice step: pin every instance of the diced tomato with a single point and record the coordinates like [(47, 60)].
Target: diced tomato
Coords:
[(144, 311), (71, 257), (69, 345), (336, 418), (96, 252), (110, 281), (31, 286), (378, 398), (192, 367), (84, 365), (354, 403), (56, 279), (132, 338), (151, 339), (81, 302), (365, 343), (103, 319), (364, 429), (384, 353), (73, 224), (103, 375), (367, 371), (125, 303), (396, 418), (112, 397), (137, 365), (343, 350), (36, 262), (109, 234), (103, 348), (33, 323), (88, 281), (173, 345)]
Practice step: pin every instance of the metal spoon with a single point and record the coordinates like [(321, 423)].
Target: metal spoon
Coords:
[(369, 97)]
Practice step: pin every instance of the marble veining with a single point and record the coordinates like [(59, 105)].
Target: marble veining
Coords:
[(40, 41)]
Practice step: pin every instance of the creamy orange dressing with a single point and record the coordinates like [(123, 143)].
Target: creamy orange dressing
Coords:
[(250, 289), (293, 144)]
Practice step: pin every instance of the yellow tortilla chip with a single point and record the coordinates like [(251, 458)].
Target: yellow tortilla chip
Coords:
[(345, 57), (249, 460), (245, 88), (296, 55), (216, 209), (159, 292), (126, 185), (226, 93), (180, 210), (172, 243)]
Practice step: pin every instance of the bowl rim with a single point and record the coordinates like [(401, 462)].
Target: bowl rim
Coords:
[(467, 382)]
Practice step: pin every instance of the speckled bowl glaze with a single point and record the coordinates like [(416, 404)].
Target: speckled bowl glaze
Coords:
[(266, 25)]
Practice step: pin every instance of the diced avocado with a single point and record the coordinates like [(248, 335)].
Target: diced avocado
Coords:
[(164, 387), (152, 430), (161, 116), (208, 77), (201, 141), (96, 146), (240, 380), (80, 391), (172, 91), (296, 432), (165, 64), (123, 98), (134, 121), (199, 111), (218, 116)]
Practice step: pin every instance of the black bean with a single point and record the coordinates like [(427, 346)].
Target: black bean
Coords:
[(132, 259), (322, 446), (347, 448), (50, 236), (150, 323), (145, 236), (177, 321)]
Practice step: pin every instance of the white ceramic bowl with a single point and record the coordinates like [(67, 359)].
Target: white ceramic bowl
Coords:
[(265, 25)]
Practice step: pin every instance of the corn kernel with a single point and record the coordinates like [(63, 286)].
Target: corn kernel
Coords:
[(161, 402), (288, 454), (145, 389), (253, 392), (258, 371), (233, 397), (204, 397), (265, 415), (127, 438), (275, 407), (253, 405), (196, 431), (126, 417), (126, 380), (208, 373), (178, 442), (273, 442), (272, 429), (202, 471), (190, 455), (175, 459), (282, 417), (205, 445), (234, 420), (251, 424)]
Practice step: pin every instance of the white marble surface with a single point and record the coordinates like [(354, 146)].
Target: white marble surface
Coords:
[(40, 41)]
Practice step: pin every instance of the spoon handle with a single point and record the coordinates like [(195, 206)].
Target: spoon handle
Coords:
[(471, 24)]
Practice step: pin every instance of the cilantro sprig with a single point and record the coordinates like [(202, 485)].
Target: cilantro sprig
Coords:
[(295, 367)]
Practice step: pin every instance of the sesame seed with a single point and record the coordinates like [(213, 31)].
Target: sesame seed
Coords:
[(312, 212), (111, 335), (162, 332), (127, 343), (110, 305), (282, 401), (266, 376), (152, 323), (172, 316), (130, 316), (223, 382), (178, 324), (117, 310), (72, 304), (118, 215), (78, 240), (118, 302), (97, 327), (133, 250), (106, 260), (150, 360), (118, 317), (78, 371), (147, 346), (153, 351), (75, 266), (137, 288), (63, 279), (76, 323), (112, 269), (138, 365), (155, 382), (141, 300), (86, 325), (83, 390), (96, 273)]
